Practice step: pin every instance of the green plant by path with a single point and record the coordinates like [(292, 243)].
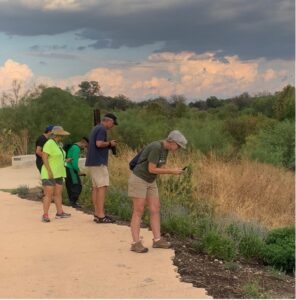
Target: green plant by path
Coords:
[(251, 291), (22, 191), (279, 250)]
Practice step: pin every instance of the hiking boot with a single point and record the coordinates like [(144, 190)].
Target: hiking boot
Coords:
[(62, 215), (138, 247), (45, 219), (162, 243), (105, 219)]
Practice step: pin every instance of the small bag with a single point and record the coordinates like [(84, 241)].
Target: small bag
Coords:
[(135, 161)]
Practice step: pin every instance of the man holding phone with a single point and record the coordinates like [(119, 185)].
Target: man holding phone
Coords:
[(97, 161)]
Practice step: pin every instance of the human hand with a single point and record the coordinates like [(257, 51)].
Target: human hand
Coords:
[(113, 143), (177, 171), (50, 175), (68, 159)]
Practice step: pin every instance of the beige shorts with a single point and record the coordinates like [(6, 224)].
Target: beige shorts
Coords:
[(139, 188), (99, 176)]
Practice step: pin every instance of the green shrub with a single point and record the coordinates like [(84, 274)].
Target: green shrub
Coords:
[(118, 203), (180, 225), (251, 246), (279, 250), (231, 265), (275, 145), (22, 191), (207, 134), (213, 243), (251, 291), (234, 231)]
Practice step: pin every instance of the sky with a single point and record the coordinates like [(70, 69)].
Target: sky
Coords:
[(144, 49)]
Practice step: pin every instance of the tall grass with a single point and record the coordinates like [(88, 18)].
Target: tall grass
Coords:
[(12, 144), (244, 189), (249, 190)]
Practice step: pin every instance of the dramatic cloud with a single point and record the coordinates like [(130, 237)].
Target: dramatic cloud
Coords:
[(249, 29), (187, 73), (12, 71)]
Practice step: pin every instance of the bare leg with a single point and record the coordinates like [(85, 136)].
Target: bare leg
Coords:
[(58, 189), (154, 208), (138, 210), (48, 192), (94, 197), (100, 201)]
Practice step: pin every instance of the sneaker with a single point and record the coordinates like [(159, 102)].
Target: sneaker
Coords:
[(105, 219), (62, 215), (45, 219), (162, 243), (138, 247)]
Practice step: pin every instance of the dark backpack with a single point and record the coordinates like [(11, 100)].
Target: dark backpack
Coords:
[(135, 161)]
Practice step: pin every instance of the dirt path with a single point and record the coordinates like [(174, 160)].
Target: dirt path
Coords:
[(75, 257)]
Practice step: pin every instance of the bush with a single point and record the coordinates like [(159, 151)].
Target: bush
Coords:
[(279, 250), (119, 204), (273, 145), (180, 224), (251, 246), (251, 291), (205, 134), (213, 243), (22, 191)]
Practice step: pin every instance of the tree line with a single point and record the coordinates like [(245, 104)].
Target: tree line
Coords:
[(258, 127)]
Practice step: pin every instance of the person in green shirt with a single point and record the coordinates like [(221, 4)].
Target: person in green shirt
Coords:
[(142, 187), (73, 182), (53, 172)]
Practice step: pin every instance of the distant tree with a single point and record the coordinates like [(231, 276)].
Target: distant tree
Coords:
[(200, 104), (13, 96), (242, 101), (213, 102), (178, 102), (263, 105), (284, 106), (89, 89), (121, 102)]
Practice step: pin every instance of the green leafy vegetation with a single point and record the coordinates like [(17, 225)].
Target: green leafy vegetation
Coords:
[(251, 291), (279, 249)]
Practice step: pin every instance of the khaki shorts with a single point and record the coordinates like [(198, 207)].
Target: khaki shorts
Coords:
[(99, 176), (139, 188)]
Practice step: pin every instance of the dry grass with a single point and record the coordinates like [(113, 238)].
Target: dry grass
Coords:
[(245, 189), (249, 190), (12, 144)]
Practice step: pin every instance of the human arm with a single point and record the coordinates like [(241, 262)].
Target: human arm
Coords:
[(103, 144), (39, 151), (46, 164), (152, 168)]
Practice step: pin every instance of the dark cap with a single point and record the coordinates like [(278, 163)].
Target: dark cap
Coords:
[(48, 128), (111, 116)]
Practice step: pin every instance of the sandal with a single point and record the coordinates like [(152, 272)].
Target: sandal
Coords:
[(105, 219)]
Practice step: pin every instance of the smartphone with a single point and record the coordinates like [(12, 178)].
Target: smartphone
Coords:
[(184, 168)]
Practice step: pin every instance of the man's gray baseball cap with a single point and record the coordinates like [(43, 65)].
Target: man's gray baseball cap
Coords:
[(178, 138)]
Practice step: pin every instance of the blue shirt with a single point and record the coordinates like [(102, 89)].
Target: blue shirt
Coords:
[(97, 156)]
